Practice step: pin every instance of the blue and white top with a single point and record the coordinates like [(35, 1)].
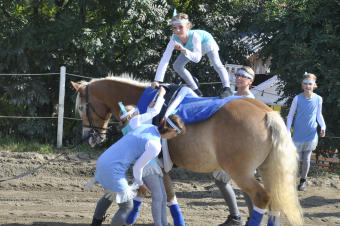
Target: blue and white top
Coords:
[(308, 115), (205, 37), (200, 42), (140, 145)]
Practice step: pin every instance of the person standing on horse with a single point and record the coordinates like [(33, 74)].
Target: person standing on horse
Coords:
[(139, 146), (193, 44), (308, 108)]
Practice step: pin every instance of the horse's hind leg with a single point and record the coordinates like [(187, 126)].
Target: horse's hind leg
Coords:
[(172, 201), (257, 193), (168, 187)]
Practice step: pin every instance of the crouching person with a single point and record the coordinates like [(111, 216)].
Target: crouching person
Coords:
[(140, 145)]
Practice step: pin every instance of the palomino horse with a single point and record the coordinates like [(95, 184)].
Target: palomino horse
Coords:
[(243, 135)]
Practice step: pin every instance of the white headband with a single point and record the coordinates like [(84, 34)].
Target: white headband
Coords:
[(180, 21), (308, 81), (173, 125), (125, 113), (243, 72), (128, 113)]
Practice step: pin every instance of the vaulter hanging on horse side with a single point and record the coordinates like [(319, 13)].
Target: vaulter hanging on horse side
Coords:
[(193, 44)]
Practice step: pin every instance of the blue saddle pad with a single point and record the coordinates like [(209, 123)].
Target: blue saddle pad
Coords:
[(192, 109), (145, 99)]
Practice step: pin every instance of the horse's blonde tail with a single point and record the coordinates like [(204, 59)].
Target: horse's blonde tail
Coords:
[(279, 170)]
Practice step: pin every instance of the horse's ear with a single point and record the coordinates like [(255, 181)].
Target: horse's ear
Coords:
[(75, 85)]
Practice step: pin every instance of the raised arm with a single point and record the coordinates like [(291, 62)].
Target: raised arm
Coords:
[(161, 69), (152, 111)]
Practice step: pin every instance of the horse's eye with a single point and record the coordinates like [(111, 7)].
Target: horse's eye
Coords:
[(81, 108)]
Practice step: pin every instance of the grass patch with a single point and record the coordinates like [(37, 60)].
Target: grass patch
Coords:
[(22, 145)]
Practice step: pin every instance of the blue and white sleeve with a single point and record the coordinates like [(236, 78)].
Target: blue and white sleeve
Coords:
[(319, 116), (152, 149), (291, 113), (196, 54), (161, 69)]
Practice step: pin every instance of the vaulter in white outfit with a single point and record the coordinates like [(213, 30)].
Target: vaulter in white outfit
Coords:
[(193, 44)]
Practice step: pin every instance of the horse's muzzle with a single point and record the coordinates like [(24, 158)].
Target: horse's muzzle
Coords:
[(93, 137)]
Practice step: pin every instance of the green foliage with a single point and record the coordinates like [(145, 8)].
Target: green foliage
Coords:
[(91, 38), (304, 37)]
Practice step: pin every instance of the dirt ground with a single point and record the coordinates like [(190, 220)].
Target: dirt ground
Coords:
[(55, 195)]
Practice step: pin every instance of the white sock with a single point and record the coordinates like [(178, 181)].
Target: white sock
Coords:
[(259, 210)]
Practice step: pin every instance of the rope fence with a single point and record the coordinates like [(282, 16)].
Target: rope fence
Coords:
[(36, 117), (29, 74)]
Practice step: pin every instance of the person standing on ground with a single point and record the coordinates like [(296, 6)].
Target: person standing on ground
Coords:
[(308, 108), (243, 79)]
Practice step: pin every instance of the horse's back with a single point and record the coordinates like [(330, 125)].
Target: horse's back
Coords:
[(235, 133), (243, 136)]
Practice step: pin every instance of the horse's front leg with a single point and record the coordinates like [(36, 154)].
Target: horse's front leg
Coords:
[(172, 201)]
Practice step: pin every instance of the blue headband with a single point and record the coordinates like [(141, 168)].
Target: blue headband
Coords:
[(243, 72), (173, 125), (180, 21), (122, 108)]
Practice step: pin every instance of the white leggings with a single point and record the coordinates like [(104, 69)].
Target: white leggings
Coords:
[(305, 162), (182, 60)]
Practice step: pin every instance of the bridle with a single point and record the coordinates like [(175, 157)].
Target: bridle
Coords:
[(94, 130)]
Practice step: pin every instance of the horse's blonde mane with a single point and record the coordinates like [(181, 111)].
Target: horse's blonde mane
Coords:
[(123, 78)]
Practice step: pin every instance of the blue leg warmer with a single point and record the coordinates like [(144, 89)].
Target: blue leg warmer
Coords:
[(255, 218), (134, 212), (177, 215), (273, 220)]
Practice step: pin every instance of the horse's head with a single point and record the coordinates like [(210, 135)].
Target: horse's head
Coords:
[(94, 112), (98, 100)]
